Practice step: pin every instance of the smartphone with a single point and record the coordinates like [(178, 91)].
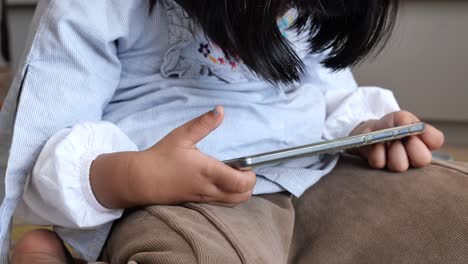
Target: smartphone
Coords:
[(331, 146)]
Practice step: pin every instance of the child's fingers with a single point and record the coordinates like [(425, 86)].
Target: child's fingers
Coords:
[(229, 179), (395, 119), (397, 158), (231, 199), (418, 153), (403, 118), (198, 128), (432, 137), (376, 156), (243, 181), (213, 195)]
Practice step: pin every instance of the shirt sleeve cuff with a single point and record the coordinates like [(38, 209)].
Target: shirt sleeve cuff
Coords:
[(84, 168), (59, 192), (104, 138), (363, 104)]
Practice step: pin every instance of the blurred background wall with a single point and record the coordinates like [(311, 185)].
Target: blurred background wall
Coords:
[(20, 13), (425, 64)]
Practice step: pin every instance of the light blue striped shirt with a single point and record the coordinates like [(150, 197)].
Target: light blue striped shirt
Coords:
[(108, 60)]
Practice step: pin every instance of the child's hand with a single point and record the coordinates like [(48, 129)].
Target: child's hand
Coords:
[(399, 155), (175, 171)]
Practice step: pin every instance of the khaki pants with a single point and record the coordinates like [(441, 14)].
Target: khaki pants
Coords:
[(353, 215)]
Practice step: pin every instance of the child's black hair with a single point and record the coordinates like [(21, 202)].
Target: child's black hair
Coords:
[(348, 30)]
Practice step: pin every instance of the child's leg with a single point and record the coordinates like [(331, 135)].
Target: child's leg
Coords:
[(41, 246), (360, 215), (256, 232)]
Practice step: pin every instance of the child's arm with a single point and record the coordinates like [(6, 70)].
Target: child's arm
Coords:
[(362, 110), (353, 110), (172, 171), (57, 192), (347, 105), (61, 192)]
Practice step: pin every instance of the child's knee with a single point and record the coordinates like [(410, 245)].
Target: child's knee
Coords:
[(39, 240), (38, 243)]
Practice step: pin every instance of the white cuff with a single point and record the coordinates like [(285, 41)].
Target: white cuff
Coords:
[(347, 109), (59, 191), (85, 167)]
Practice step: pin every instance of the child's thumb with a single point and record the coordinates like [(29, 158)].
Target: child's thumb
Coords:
[(197, 129)]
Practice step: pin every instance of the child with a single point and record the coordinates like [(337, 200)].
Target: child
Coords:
[(104, 118)]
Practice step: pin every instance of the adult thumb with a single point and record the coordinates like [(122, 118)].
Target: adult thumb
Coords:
[(197, 129)]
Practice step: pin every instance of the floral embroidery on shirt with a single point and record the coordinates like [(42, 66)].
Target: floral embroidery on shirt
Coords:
[(206, 50), (233, 64)]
